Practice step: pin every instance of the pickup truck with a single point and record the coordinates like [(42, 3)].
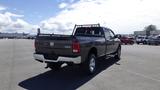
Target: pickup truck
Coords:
[(84, 47)]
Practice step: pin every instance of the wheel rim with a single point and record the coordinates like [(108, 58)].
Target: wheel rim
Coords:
[(92, 64)]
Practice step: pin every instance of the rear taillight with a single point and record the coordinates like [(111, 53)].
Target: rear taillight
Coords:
[(75, 46)]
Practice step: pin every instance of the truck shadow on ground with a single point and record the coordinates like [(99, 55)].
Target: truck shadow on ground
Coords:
[(69, 78)]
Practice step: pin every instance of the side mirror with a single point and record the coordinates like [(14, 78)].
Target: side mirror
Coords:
[(117, 36)]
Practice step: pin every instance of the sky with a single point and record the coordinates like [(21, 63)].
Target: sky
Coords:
[(60, 16)]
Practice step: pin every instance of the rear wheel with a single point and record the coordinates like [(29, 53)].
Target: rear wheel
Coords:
[(90, 64)]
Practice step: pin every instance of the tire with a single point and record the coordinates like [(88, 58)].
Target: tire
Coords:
[(132, 43), (90, 64), (118, 54), (156, 43), (54, 66), (149, 43), (145, 42)]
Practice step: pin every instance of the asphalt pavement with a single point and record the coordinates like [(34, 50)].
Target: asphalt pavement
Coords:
[(138, 69)]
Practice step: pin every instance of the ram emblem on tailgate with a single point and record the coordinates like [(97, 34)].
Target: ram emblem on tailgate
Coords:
[(51, 44)]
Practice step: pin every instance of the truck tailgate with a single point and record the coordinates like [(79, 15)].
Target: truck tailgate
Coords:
[(60, 45)]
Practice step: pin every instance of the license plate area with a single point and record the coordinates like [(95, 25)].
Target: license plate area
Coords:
[(50, 56)]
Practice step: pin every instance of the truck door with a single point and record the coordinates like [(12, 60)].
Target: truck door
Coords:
[(109, 42), (113, 41), (99, 41)]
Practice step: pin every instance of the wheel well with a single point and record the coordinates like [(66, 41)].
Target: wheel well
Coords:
[(93, 50)]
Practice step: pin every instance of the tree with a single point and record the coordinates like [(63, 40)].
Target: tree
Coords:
[(150, 28)]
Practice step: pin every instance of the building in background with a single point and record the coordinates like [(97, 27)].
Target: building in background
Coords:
[(143, 33), (16, 36)]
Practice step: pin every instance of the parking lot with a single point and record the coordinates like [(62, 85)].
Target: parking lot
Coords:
[(138, 69)]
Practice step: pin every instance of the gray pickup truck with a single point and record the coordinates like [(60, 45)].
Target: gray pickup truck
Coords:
[(84, 47)]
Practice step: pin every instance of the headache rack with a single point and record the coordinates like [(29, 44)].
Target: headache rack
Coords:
[(85, 25)]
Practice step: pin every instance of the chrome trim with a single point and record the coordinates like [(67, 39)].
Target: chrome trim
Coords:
[(40, 57)]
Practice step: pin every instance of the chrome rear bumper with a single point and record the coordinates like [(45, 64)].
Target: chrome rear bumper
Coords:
[(75, 60)]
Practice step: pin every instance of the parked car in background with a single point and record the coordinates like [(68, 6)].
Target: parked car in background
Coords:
[(126, 40), (139, 39), (154, 40), (142, 40), (145, 40)]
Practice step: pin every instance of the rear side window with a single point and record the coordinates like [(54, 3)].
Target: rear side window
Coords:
[(91, 31), (109, 34), (80, 31)]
